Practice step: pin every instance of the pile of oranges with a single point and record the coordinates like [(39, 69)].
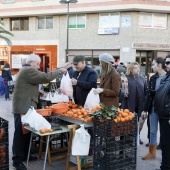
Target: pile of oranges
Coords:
[(78, 112), (124, 115)]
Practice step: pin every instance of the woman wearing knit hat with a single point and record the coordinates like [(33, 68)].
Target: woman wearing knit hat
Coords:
[(109, 81)]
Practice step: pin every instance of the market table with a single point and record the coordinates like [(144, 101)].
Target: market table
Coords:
[(64, 130), (76, 122)]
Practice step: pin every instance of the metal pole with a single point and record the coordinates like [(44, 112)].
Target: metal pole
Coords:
[(67, 48)]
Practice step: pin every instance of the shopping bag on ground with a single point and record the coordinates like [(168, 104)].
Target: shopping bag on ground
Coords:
[(66, 85), (35, 120), (81, 142), (92, 100)]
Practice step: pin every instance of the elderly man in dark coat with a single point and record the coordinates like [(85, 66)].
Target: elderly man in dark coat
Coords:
[(84, 79), (26, 95)]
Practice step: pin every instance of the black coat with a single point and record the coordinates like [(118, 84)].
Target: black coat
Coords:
[(85, 82), (150, 93), (70, 72), (6, 74), (135, 100)]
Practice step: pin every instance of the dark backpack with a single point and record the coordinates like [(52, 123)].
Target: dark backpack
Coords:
[(162, 98)]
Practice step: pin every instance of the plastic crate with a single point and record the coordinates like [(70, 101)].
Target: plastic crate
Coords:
[(4, 145), (109, 128), (123, 158), (115, 145)]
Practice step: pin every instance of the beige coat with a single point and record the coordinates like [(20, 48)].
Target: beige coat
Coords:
[(111, 86), (26, 88)]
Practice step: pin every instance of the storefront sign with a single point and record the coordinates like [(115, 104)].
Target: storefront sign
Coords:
[(16, 60), (151, 46), (108, 31)]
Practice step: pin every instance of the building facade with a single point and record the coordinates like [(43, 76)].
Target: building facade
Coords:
[(133, 30)]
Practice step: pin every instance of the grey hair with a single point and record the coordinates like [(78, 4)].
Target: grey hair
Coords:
[(23, 61), (33, 57)]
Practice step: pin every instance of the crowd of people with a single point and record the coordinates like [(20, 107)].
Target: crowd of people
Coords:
[(139, 97)]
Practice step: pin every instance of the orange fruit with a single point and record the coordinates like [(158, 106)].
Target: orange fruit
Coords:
[(124, 114), (98, 107), (127, 118), (85, 113), (80, 107), (79, 113), (118, 119), (115, 120), (126, 110), (75, 115), (122, 119), (42, 131)]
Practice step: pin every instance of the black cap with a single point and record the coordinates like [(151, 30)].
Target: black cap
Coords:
[(78, 58)]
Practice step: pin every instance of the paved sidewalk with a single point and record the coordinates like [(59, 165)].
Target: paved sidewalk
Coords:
[(5, 112)]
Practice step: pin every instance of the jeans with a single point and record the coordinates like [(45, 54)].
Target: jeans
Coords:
[(6, 90), (153, 127), (165, 143)]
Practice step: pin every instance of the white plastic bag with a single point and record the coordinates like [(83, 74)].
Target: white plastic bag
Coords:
[(48, 98), (35, 120), (81, 142), (54, 98), (66, 85), (92, 100)]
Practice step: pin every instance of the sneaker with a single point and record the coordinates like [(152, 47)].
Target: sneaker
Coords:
[(20, 166)]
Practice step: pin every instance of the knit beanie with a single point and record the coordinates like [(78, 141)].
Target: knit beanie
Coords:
[(107, 58)]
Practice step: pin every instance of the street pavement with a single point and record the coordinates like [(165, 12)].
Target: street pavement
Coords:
[(6, 113)]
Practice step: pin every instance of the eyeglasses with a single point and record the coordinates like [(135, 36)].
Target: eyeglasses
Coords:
[(167, 62)]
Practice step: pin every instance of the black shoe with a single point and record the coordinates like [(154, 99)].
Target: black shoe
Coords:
[(32, 158), (147, 145), (20, 166), (140, 142), (158, 147)]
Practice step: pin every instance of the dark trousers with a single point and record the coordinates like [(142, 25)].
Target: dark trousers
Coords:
[(165, 143), (20, 141), (148, 124), (6, 90)]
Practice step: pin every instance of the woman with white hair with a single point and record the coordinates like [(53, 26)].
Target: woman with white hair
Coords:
[(110, 81)]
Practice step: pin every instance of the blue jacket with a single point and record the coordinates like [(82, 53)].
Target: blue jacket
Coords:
[(85, 82)]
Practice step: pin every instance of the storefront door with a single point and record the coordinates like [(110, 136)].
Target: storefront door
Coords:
[(144, 58)]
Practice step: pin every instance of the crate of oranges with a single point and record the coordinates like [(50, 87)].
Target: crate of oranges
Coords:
[(77, 113)]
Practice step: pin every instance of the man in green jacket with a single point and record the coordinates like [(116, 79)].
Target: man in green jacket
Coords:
[(26, 95)]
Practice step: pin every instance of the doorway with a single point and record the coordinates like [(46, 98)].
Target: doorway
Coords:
[(45, 62), (144, 58)]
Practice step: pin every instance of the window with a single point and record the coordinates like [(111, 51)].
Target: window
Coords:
[(77, 21), (109, 20), (9, 1), (45, 23), (19, 24), (149, 20)]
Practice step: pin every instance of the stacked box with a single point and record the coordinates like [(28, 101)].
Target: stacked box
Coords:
[(115, 145), (4, 145)]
